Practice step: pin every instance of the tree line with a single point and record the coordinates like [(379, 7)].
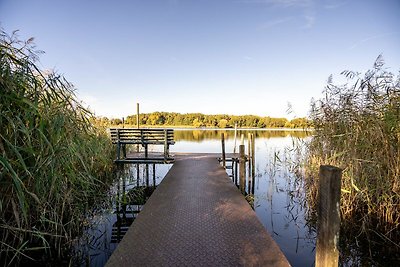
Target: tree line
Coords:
[(199, 120)]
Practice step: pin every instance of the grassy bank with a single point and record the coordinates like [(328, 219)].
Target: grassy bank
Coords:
[(357, 128), (53, 162)]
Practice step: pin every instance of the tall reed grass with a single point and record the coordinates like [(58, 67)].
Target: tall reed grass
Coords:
[(357, 128), (53, 162)]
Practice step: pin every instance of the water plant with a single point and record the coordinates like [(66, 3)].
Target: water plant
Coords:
[(357, 128), (53, 161)]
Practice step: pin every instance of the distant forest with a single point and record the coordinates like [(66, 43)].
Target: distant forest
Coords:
[(199, 120)]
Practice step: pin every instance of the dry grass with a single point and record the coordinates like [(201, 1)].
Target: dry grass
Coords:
[(357, 128), (52, 160)]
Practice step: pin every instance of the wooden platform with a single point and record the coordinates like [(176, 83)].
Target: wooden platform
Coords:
[(197, 217)]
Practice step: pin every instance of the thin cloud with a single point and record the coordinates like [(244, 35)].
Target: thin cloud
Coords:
[(334, 5), (248, 58), (372, 37), (307, 6), (273, 23), (281, 3), (310, 20)]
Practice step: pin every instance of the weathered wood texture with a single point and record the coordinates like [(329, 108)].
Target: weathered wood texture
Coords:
[(223, 150), (143, 137), (197, 217), (327, 253), (242, 170)]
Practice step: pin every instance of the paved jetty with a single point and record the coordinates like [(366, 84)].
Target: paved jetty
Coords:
[(197, 217)]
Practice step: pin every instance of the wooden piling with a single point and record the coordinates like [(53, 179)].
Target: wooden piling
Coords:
[(234, 142), (253, 162), (249, 152), (118, 146), (242, 169), (328, 225), (223, 150), (137, 115), (166, 149)]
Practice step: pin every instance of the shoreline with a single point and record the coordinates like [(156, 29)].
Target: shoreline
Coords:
[(211, 128)]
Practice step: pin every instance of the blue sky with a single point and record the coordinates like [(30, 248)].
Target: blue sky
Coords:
[(232, 57)]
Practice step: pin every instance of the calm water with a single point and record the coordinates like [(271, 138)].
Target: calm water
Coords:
[(278, 196)]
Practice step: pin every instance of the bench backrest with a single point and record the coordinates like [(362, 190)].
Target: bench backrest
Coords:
[(142, 136)]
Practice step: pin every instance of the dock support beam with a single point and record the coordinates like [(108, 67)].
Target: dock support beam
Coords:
[(253, 163), (242, 169), (327, 254), (223, 150)]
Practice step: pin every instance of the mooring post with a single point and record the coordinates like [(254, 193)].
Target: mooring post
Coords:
[(328, 225), (223, 150), (118, 145), (166, 144), (253, 162), (236, 171), (242, 169), (137, 115), (234, 142), (249, 153)]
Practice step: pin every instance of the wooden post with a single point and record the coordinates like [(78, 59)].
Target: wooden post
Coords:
[(249, 153), (253, 163), (223, 150), (236, 172), (118, 145), (137, 115), (242, 169), (166, 152), (328, 224), (234, 142), (123, 122)]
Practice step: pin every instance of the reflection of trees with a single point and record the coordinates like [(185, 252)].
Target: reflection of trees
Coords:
[(201, 135)]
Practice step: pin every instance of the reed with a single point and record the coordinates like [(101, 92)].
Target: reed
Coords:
[(53, 162), (357, 128)]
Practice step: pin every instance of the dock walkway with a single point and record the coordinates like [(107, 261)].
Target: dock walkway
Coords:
[(197, 217)]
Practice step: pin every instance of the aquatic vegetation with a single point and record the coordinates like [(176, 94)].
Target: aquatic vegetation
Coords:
[(357, 128), (53, 161)]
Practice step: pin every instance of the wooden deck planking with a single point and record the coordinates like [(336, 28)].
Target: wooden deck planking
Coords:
[(197, 217)]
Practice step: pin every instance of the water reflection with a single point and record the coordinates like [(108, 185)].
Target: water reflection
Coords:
[(107, 225), (278, 195)]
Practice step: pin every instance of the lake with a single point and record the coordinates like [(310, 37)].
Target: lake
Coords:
[(278, 194)]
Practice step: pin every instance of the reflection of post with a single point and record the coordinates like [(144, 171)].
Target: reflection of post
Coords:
[(124, 199), (223, 149), (328, 216), (253, 162), (137, 175), (242, 169), (154, 175), (147, 175)]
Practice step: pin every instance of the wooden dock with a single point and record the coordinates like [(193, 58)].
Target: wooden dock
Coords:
[(197, 217)]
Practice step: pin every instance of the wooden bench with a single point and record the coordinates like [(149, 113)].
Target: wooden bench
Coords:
[(144, 137)]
